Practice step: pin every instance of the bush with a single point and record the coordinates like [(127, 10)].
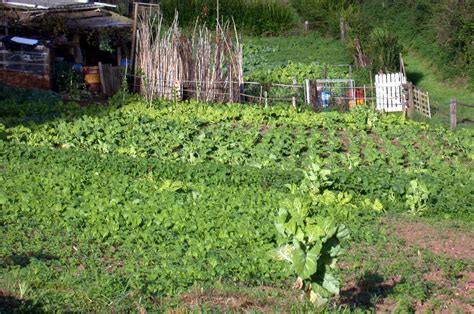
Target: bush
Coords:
[(324, 14), (439, 30), (384, 48), (251, 16)]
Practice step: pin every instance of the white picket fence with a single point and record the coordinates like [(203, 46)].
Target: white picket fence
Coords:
[(389, 91)]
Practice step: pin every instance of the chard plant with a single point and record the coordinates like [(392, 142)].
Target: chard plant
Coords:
[(417, 197), (309, 242)]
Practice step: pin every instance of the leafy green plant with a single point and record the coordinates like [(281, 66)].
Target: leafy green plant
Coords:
[(191, 195), (417, 197), (312, 248), (384, 49), (70, 82), (311, 242), (286, 73)]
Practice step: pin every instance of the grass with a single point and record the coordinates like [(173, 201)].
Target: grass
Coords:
[(422, 74), (393, 272)]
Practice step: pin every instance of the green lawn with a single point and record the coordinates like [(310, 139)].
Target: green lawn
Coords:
[(425, 76)]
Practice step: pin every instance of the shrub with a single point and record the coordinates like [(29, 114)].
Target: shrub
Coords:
[(251, 16), (324, 14), (384, 48), (439, 30)]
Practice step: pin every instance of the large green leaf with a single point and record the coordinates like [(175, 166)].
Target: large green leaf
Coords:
[(343, 233), (284, 253), (319, 290), (314, 233), (330, 283), (306, 264), (280, 221)]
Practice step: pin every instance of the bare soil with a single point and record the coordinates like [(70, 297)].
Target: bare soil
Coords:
[(448, 242), (238, 302), (440, 240)]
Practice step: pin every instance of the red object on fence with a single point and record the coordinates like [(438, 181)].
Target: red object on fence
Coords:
[(360, 96)]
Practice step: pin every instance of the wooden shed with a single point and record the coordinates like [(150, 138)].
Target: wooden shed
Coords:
[(37, 38)]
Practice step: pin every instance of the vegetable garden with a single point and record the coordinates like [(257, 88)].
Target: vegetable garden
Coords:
[(138, 207)]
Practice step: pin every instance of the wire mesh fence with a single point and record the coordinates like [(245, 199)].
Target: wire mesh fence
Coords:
[(319, 95)]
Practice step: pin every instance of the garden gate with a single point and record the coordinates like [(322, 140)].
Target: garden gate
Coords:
[(421, 101), (389, 92)]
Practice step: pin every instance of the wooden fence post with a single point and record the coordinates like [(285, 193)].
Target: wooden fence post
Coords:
[(452, 113), (342, 28), (306, 26), (134, 39), (411, 104)]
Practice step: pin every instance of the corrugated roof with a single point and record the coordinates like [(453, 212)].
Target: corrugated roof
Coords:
[(97, 19), (79, 14), (53, 4)]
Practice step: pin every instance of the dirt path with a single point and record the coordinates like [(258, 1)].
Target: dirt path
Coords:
[(444, 241), (440, 240)]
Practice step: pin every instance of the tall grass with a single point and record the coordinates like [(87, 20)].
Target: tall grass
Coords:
[(251, 16)]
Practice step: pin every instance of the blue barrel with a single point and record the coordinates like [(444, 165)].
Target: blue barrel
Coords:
[(325, 99), (125, 62), (77, 67)]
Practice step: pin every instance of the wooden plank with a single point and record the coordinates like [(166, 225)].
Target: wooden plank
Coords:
[(102, 79), (134, 39), (411, 104)]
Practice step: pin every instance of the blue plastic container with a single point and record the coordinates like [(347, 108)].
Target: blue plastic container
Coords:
[(125, 62), (77, 67), (325, 99)]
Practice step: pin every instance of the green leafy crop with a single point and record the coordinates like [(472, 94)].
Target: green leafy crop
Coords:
[(134, 201), (311, 241)]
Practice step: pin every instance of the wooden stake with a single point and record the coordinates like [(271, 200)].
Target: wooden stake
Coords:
[(102, 79), (134, 39), (365, 96), (266, 98), (342, 27), (452, 114), (78, 58), (119, 55), (411, 104), (402, 65)]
